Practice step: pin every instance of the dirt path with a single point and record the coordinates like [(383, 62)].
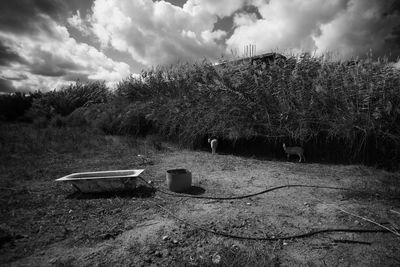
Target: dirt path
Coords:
[(133, 230), (293, 210)]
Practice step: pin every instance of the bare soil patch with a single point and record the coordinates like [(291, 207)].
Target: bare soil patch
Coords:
[(44, 223)]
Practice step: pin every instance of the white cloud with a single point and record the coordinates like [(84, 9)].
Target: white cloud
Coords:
[(212, 36), (397, 64), (285, 24), (78, 23), (221, 8), (244, 19), (347, 27), (158, 32), (57, 59), (362, 28)]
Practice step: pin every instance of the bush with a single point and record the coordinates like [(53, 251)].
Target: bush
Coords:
[(77, 118), (154, 141), (13, 106), (132, 120), (41, 122), (68, 99), (58, 121)]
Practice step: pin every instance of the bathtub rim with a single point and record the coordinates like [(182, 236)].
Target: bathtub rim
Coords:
[(72, 176)]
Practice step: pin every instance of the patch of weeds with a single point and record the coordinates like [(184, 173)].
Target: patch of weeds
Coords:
[(40, 122), (252, 255), (154, 142)]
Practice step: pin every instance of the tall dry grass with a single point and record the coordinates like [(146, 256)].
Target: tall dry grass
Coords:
[(349, 107), (347, 111)]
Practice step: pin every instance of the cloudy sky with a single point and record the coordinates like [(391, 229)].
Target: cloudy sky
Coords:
[(45, 44)]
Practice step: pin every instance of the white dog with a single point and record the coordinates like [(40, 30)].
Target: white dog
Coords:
[(214, 144)]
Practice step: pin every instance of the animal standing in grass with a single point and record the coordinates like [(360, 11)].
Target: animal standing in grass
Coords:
[(214, 144), (294, 150)]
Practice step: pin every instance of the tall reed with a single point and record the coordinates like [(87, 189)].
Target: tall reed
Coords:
[(313, 101)]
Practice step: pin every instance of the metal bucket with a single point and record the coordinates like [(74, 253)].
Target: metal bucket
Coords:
[(179, 180)]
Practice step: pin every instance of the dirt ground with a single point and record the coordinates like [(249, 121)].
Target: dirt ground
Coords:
[(45, 223)]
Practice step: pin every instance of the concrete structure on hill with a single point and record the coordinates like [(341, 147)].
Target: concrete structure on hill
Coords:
[(261, 60)]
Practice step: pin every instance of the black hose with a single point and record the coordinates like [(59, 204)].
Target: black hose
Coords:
[(275, 238), (249, 195), (272, 238)]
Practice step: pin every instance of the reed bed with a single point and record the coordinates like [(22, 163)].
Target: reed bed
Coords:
[(350, 108)]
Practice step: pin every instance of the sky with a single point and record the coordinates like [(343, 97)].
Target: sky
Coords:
[(47, 44)]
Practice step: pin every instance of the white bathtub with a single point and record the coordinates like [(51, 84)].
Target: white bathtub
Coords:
[(103, 181)]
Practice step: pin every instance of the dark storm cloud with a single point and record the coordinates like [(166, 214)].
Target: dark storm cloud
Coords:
[(226, 23), (49, 64), (392, 41), (378, 30), (26, 16), (7, 55), (179, 3), (20, 16), (6, 86), (47, 70), (82, 5), (75, 76), (393, 7)]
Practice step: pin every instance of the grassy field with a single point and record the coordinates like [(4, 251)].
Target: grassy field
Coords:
[(45, 223)]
